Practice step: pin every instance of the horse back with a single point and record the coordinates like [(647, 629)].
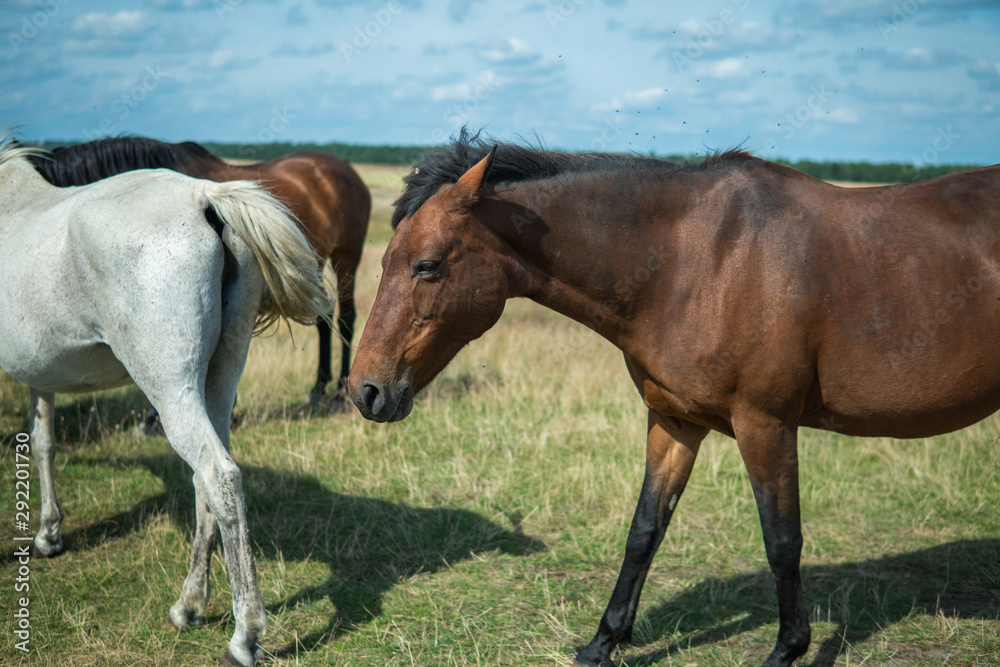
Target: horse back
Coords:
[(326, 195), (892, 299)]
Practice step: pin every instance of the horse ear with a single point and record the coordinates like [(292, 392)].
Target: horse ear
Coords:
[(468, 186)]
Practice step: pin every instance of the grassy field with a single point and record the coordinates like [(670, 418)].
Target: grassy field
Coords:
[(488, 528)]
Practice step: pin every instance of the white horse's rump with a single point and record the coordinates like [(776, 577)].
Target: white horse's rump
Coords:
[(156, 278)]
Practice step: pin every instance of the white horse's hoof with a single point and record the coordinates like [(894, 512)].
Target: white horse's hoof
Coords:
[(183, 618), (46, 547), (243, 657)]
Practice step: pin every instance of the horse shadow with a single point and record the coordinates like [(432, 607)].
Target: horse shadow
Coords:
[(96, 416), (958, 580), (90, 418), (368, 544)]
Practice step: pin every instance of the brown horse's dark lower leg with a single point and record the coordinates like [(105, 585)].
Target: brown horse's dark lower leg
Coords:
[(345, 324), (324, 372), (668, 465), (783, 543), (346, 267), (770, 455)]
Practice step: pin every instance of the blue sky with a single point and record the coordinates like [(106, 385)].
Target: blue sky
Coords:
[(879, 80)]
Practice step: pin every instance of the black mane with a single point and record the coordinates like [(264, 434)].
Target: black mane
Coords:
[(81, 164), (512, 163)]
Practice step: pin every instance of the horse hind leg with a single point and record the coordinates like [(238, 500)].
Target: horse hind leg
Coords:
[(48, 541), (218, 481), (195, 414), (219, 488), (204, 444), (189, 610), (769, 451)]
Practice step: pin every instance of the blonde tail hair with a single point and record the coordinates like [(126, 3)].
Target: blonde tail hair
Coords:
[(290, 266)]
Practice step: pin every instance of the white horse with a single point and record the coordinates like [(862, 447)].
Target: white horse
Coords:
[(154, 278)]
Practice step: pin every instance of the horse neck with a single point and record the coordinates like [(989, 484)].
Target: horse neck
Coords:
[(580, 250)]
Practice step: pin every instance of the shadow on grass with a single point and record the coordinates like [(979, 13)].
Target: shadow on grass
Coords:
[(89, 418), (956, 580), (98, 415), (368, 544)]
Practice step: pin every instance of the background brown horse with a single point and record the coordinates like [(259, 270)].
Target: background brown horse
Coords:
[(327, 197), (747, 298)]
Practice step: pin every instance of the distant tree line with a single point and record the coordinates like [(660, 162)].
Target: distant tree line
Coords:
[(349, 152), (861, 172)]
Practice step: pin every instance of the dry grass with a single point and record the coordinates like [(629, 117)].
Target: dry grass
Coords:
[(488, 528)]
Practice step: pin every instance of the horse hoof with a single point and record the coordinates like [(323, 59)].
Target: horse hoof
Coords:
[(316, 394), (253, 655), (48, 548), (339, 404), (183, 618)]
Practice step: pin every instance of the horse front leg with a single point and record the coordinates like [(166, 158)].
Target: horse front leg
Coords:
[(346, 267), (42, 428), (671, 449), (324, 372), (769, 451), (345, 325)]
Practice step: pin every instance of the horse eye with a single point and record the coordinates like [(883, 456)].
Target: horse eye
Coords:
[(426, 268)]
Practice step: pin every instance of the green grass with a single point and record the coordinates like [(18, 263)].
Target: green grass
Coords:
[(488, 528)]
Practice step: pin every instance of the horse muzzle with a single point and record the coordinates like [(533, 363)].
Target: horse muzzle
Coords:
[(380, 404)]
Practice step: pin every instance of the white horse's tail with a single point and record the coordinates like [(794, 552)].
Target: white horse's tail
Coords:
[(291, 268)]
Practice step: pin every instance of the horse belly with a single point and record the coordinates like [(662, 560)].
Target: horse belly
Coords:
[(939, 390), (65, 368)]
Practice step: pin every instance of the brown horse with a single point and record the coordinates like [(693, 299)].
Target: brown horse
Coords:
[(326, 196), (747, 298)]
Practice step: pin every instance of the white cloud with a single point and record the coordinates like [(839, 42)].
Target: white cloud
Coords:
[(453, 92), (839, 115), (103, 25), (220, 59), (646, 96), (727, 67), (511, 51)]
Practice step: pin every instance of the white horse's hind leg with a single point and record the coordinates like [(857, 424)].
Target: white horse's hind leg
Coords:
[(220, 394), (218, 482), (221, 489), (190, 608), (43, 435)]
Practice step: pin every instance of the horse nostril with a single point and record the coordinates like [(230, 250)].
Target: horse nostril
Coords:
[(372, 398)]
